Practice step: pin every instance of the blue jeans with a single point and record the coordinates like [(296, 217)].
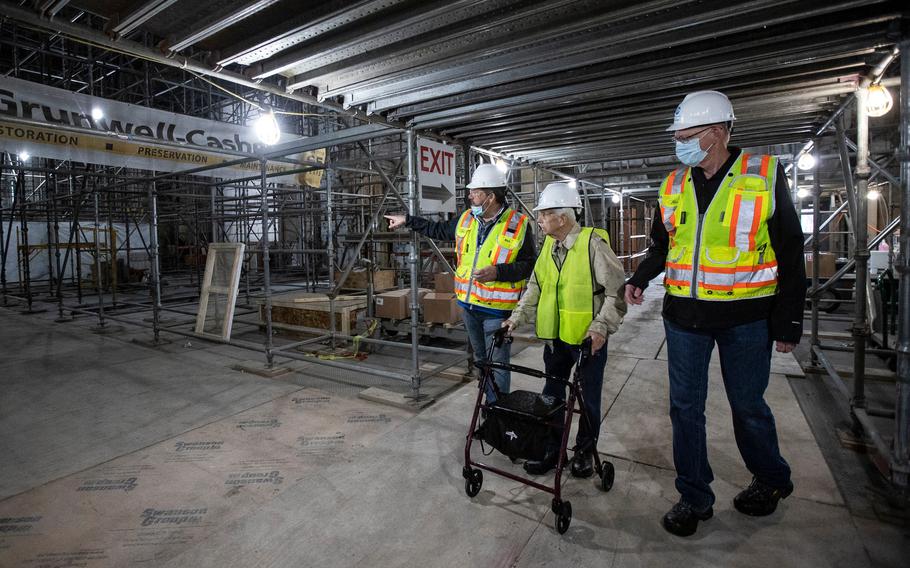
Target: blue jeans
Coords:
[(480, 327), (745, 360), (558, 361)]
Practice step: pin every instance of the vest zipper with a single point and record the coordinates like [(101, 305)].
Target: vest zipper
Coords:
[(696, 254), (479, 247), (701, 216), (558, 276), (467, 298)]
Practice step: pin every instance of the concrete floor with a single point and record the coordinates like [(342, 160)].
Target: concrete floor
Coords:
[(116, 454)]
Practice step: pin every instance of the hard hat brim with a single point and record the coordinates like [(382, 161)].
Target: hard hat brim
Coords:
[(545, 207), (675, 126)]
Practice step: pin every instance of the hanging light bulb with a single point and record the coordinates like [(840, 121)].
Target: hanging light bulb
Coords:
[(806, 162), (873, 194), (97, 113), (803, 193), (24, 156), (502, 166), (879, 101), (267, 128), (615, 198), (573, 184)]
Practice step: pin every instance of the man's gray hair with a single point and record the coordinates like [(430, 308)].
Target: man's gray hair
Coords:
[(567, 212)]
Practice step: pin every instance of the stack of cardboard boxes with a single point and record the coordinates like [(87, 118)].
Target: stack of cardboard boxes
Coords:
[(358, 279), (397, 303), (438, 306), (441, 306)]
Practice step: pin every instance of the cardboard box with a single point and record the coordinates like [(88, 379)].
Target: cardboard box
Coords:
[(826, 265), (396, 304), (358, 280), (440, 307), (444, 282)]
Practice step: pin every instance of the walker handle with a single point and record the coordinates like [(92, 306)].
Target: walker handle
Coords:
[(585, 351), (499, 336)]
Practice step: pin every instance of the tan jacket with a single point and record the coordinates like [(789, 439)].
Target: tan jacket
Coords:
[(609, 307)]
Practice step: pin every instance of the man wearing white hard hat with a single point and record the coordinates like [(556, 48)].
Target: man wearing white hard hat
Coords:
[(495, 253), (729, 243), (574, 293)]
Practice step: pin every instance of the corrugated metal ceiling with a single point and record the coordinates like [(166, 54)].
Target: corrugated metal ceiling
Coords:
[(553, 81)]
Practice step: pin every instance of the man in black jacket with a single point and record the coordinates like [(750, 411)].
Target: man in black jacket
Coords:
[(730, 243)]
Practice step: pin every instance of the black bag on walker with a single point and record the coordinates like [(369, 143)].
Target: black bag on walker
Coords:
[(519, 424)]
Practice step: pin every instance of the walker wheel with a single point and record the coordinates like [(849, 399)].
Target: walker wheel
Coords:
[(607, 474), (564, 517), (473, 483)]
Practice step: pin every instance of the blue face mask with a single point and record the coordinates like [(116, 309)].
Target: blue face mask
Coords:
[(690, 152), (477, 210)]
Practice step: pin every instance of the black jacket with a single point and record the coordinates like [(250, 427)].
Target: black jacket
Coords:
[(784, 311), (519, 269)]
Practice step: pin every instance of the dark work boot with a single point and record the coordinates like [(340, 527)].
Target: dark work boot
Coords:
[(540, 467), (682, 519), (582, 464), (760, 500)]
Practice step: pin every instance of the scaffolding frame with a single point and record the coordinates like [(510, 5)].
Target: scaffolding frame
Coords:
[(369, 168), (892, 460)]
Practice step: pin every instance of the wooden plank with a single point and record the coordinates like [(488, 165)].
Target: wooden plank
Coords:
[(325, 299), (313, 301), (215, 249), (204, 295)]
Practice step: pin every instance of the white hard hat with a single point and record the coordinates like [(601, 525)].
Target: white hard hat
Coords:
[(702, 107), (487, 175), (557, 195)]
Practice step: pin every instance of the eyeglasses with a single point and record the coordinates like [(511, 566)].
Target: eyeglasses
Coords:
[(675, 138), (477, 191)]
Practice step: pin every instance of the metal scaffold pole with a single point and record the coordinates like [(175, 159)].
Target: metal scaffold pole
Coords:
[(816, 219), (861, 254), (98, 286), (25, 275), (214, 238), (266, 276), (901, 459), (413, 260), (330, 242), (622, 234), (57, 259), (4, 245), (49, 181), (155, 267)]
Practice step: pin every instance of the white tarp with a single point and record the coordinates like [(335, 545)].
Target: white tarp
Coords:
[(37, 237)]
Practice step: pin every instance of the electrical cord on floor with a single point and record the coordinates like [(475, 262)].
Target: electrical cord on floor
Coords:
[(353, 354)]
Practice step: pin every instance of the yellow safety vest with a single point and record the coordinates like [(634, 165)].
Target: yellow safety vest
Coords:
[(500, 247), (726, 253), (566, 305)]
